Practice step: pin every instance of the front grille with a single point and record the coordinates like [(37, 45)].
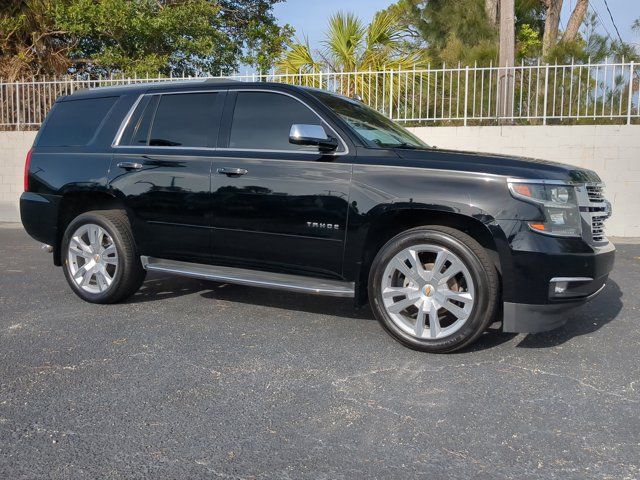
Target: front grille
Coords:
[(597, 228), (595, 193), (597, 210)]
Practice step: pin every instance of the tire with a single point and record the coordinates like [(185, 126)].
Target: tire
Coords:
[(465, 303), (107, 270)]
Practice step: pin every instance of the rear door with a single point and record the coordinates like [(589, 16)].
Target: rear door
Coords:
[(162, 167), (286, 209)]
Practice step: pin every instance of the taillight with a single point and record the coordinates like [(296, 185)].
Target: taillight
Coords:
[(27, 164)]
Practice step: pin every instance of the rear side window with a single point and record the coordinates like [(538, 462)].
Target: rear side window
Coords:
[(137, 130), (184, 120), (262, 121), (75, 122)]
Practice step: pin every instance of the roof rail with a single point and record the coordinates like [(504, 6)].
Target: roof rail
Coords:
[(221, 80)]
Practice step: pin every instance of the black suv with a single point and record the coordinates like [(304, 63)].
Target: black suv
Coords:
[(277, 186)]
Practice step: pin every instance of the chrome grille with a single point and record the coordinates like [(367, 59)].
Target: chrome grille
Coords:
[(596, 210), (595, 193), (597, 228)]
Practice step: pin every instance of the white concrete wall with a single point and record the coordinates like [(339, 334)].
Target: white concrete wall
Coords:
[(13, 151), (613, 151)]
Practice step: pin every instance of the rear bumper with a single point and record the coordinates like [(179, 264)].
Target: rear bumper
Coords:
[(39, 215)]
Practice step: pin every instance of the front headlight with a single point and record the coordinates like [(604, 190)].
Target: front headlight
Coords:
[(559, 205)]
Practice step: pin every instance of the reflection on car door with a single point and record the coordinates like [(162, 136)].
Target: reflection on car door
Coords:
[(277, 205), (162, 168)]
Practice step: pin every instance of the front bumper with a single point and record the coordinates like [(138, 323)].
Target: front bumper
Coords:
[(528, 318), (535, 265)]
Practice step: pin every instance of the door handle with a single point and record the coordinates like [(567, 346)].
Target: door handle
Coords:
[(232, 172), (130, 165)]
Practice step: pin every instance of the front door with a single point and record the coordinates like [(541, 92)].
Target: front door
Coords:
[(277, 206), (162, 170)]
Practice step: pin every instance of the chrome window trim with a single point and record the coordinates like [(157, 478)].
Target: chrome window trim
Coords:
[(125, 122), (127, 119)]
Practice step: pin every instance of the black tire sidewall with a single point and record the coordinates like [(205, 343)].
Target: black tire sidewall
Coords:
[(478, 320), (112, 230)]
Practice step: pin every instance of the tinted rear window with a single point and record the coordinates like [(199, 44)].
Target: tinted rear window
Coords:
[(75, 122), (185, 120)]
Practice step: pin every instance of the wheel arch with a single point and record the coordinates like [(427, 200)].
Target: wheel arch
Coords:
[(390, 223), (74, 203)]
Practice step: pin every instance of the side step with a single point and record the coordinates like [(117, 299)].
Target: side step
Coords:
[(253, 278)]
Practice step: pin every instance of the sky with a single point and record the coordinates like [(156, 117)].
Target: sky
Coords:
[(310, 17)]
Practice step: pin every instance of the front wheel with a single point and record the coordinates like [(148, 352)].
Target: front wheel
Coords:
[(434, 288), (99, 257)]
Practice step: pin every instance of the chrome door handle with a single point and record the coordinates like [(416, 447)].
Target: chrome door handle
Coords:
[(232, 172), (130, 165)]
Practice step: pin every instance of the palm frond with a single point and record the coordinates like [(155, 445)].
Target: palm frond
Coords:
[(298, 58), (344, 39), (385, 29)]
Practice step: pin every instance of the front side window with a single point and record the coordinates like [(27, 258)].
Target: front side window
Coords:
[(372, 127), (182, 120), (263, 120)]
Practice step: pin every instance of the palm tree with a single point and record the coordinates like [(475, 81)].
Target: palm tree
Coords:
[(351, 46)]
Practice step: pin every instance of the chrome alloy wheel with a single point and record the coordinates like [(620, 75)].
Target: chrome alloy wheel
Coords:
[(93, 258), (428, 291)]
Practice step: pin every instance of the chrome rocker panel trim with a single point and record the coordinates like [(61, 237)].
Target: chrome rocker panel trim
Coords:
[(252, 278)]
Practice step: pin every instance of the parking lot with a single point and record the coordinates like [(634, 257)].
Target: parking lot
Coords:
[(193, 379)]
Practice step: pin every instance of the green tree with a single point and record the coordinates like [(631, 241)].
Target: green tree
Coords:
[(465, 31), (138, 37), (29, 40), (449, 30)]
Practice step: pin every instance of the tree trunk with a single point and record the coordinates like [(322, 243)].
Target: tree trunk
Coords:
[(507, 58), (551, 24), (575, 21), (491, 9)]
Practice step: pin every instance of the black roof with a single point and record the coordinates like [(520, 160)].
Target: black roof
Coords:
[(167, 86)]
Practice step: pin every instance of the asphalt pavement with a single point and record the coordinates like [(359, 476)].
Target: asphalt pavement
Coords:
[(194, 379)]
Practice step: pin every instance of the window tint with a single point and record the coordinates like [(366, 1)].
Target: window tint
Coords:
[(75, 122), (263, 121), (185, 120)]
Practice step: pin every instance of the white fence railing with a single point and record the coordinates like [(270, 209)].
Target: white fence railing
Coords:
[(525, 94)]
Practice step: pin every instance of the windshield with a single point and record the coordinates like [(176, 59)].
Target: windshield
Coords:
[(375, 129)]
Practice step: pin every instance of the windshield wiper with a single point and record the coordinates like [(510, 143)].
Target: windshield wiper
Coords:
[(406, 145)]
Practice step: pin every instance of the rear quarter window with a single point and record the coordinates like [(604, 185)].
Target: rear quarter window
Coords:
[(75, 122)]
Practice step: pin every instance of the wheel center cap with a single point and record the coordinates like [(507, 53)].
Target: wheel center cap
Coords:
[(428, 290), (96, 257)]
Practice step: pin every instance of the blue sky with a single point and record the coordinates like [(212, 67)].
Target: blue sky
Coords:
[(310, 17)]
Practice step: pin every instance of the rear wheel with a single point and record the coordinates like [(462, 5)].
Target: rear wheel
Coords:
[(434, 289), (99, 257)]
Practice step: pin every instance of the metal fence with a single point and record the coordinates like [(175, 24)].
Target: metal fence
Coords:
[(526, 94)]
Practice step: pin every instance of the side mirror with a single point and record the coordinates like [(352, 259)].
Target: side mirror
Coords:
[(312, 135)]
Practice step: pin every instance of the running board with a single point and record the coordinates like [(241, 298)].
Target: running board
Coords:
[(253, 278)]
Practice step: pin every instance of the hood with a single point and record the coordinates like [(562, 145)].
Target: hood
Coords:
[(494, 164)]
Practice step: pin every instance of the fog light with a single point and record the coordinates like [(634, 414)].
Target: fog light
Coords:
[(569, 287), (560, 287)]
